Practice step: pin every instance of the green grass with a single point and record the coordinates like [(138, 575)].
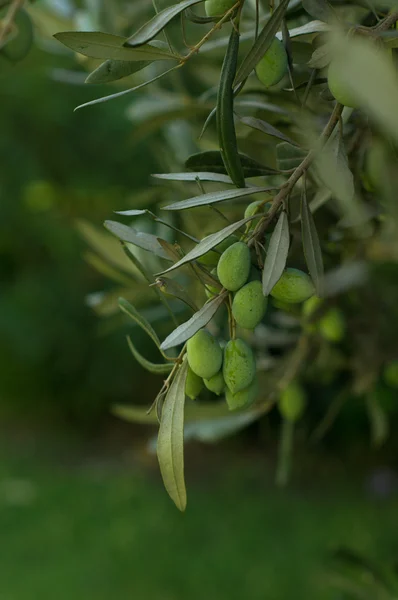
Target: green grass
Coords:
[(112, 534)]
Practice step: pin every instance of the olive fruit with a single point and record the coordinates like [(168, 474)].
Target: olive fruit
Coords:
[(340, 88), (193, 384), (332, 325), (293, 286), (216, 384), (217, 8), (233, 268), (272, 67), (244, 398), (239, 366), (204, 354), (390, 373), (253, 208), (249, 305), (292, 402)]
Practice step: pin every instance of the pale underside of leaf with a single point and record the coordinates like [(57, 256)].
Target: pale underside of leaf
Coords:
[(214, 197), (146, 241), (311, 246), (278, 250)]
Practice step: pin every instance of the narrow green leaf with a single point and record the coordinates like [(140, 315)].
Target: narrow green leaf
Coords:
[(320, 57), (262, 43), (278, 250), (207, 244), (199, 320), (214, 197), (172, 288), (124, 92), (320, 9), (265, 127), (134, 212), (194, 18), (211, 161), (149, 366), (95, 44), (288, 156), (194, 176), (133, 313), (170, 446), (379, 424), (146, 241), (311, 27), (148, 31), (311, 245), (112, 70)]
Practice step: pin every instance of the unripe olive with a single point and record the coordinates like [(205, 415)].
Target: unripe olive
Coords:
[(204, 354), (273, 65), (293, 286), (193, 384), (390, 373), (234, 266), (217, 8), (332, 325), (239, 366), (216, 384), (249, 305), (340, 88), (244, 398), (292, 402), (253, 208)]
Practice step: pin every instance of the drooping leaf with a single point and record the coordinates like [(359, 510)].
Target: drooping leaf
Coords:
[(104, 46), (16, 46), (214, 197), (212, 161), (320, 57), (311, 27), (133, 313), (278, 250), (194, 176), (172, 288), (320, 9), (288, 156), (311, 245), (265, 127), (262, 43), (170, 446), (207, 244), (151, 29), (146, 241), (161, 369), (199, 320)]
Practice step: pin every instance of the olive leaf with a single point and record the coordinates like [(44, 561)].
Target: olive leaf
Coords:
[(161, 369), (320, 57), (311, 27), (262, 43), (199, 320), (170, 445), (379, 424), (211, 160), (169, 287), (194, 18), (311, 244), (277, 252), (289, 156), (208, 243), (148, 31), (265, 127), (146, 241), (95, 44), (17, 46), (112, 70), (133, 313), (214, 197), (320, 9), (194, 176)]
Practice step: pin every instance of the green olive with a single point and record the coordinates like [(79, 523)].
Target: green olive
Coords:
[(217, 8), (273, 65), (193, 384), (390, 373), (239, 366), (249, 305), (293, 286), (340, 87), (244, 398), (233, 268), (292, 402), (332, 325), (216, 384), (204, 354)]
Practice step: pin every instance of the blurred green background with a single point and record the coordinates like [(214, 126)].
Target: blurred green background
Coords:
[(83, 513)]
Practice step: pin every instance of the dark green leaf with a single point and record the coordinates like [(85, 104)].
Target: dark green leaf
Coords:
[(133, 313), (162, 369), (320, 57), (199, 320), (212, 161), (146, 241), (277, 252), (150, 30), (207, 244), (262, 43), (170, 446), (21, 40), (320, 9), (194, 176), (194, 18), (105, 45), (213, 197), (311, 245), (288, 156), (265, 127)]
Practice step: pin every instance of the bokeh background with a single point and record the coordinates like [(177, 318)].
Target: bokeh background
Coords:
[(83, 513)]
